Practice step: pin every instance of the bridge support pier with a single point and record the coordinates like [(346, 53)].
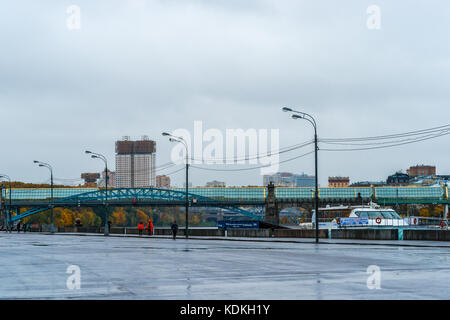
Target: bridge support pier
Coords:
[(272, 214), (9, 215), (3, 209), (13, 211)]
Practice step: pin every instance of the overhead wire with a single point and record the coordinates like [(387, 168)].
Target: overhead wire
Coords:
[(391, 136), (253, 168), (389, 144)]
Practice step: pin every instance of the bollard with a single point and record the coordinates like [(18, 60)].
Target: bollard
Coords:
[(400, 234)]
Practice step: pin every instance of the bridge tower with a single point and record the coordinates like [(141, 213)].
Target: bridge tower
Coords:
[(272, 210)]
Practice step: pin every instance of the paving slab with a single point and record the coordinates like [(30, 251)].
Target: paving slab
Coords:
[(400, 243), (35, 266)]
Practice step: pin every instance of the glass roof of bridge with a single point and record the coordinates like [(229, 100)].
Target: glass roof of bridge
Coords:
[(254, 193), (44, 193), (250, 193)]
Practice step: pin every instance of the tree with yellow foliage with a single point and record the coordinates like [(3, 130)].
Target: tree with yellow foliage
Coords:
[(119, 217), (88, 217), (195, 220), (64, 217), (141, 216)]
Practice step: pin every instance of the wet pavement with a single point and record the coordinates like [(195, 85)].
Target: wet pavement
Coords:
[(34, 266)]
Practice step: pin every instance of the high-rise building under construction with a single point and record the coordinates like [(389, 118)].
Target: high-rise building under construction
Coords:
[(135, 163)]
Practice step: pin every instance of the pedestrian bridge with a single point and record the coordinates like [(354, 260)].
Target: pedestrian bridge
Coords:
[(39, 199), (238, 195), (230, 198)]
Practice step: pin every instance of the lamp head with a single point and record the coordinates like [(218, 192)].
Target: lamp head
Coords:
[(41, 165), (87, 152), (94, 156), (166, 134), (35, 161), (296, 116), (286, 109)]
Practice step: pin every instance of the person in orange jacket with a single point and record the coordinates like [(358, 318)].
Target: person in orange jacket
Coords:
[(140, 228), (150, 227)]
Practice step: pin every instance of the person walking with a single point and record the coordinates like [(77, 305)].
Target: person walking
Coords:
[(151, 227), (140, 228), (18, 227), (24, 227), (174, 228), (147, 227)]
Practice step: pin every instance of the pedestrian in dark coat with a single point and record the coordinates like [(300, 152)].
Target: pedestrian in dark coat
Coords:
[(174, 228)]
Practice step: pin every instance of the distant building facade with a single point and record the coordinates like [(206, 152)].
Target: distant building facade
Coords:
[(398, 179), (338, 182), (90, 179), (288, 179), (304, 180), (280, 179), (215, 184), (111, 180), (163, 182), (421, 170), (135, 163)]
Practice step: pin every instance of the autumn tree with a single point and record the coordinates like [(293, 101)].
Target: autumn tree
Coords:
[(119, 217)]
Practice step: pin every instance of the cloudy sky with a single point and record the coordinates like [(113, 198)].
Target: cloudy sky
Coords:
[(146, 66)]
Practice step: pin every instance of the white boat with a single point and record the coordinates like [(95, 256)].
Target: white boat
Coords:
[(371, 215), (380, 217)]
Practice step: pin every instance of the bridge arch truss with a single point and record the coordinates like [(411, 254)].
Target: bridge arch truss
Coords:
[(139, 196)]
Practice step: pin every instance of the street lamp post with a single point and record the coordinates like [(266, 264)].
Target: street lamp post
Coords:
[(49, 167), (7, 213), (103, 158), (181, 140), (308, 117)]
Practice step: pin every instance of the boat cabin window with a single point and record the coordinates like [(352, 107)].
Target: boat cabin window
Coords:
[(362, 214), (378, 214), (374, 214), (386, 215), (390, 215), (396, 215)]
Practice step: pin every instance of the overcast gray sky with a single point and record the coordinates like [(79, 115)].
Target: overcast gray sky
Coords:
[(146, 66)]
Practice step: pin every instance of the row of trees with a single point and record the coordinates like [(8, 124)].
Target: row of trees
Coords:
[(119, 216), (19, 184)]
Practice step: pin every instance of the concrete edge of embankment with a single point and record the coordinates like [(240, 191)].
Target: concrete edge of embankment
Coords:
[(392, 243)]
